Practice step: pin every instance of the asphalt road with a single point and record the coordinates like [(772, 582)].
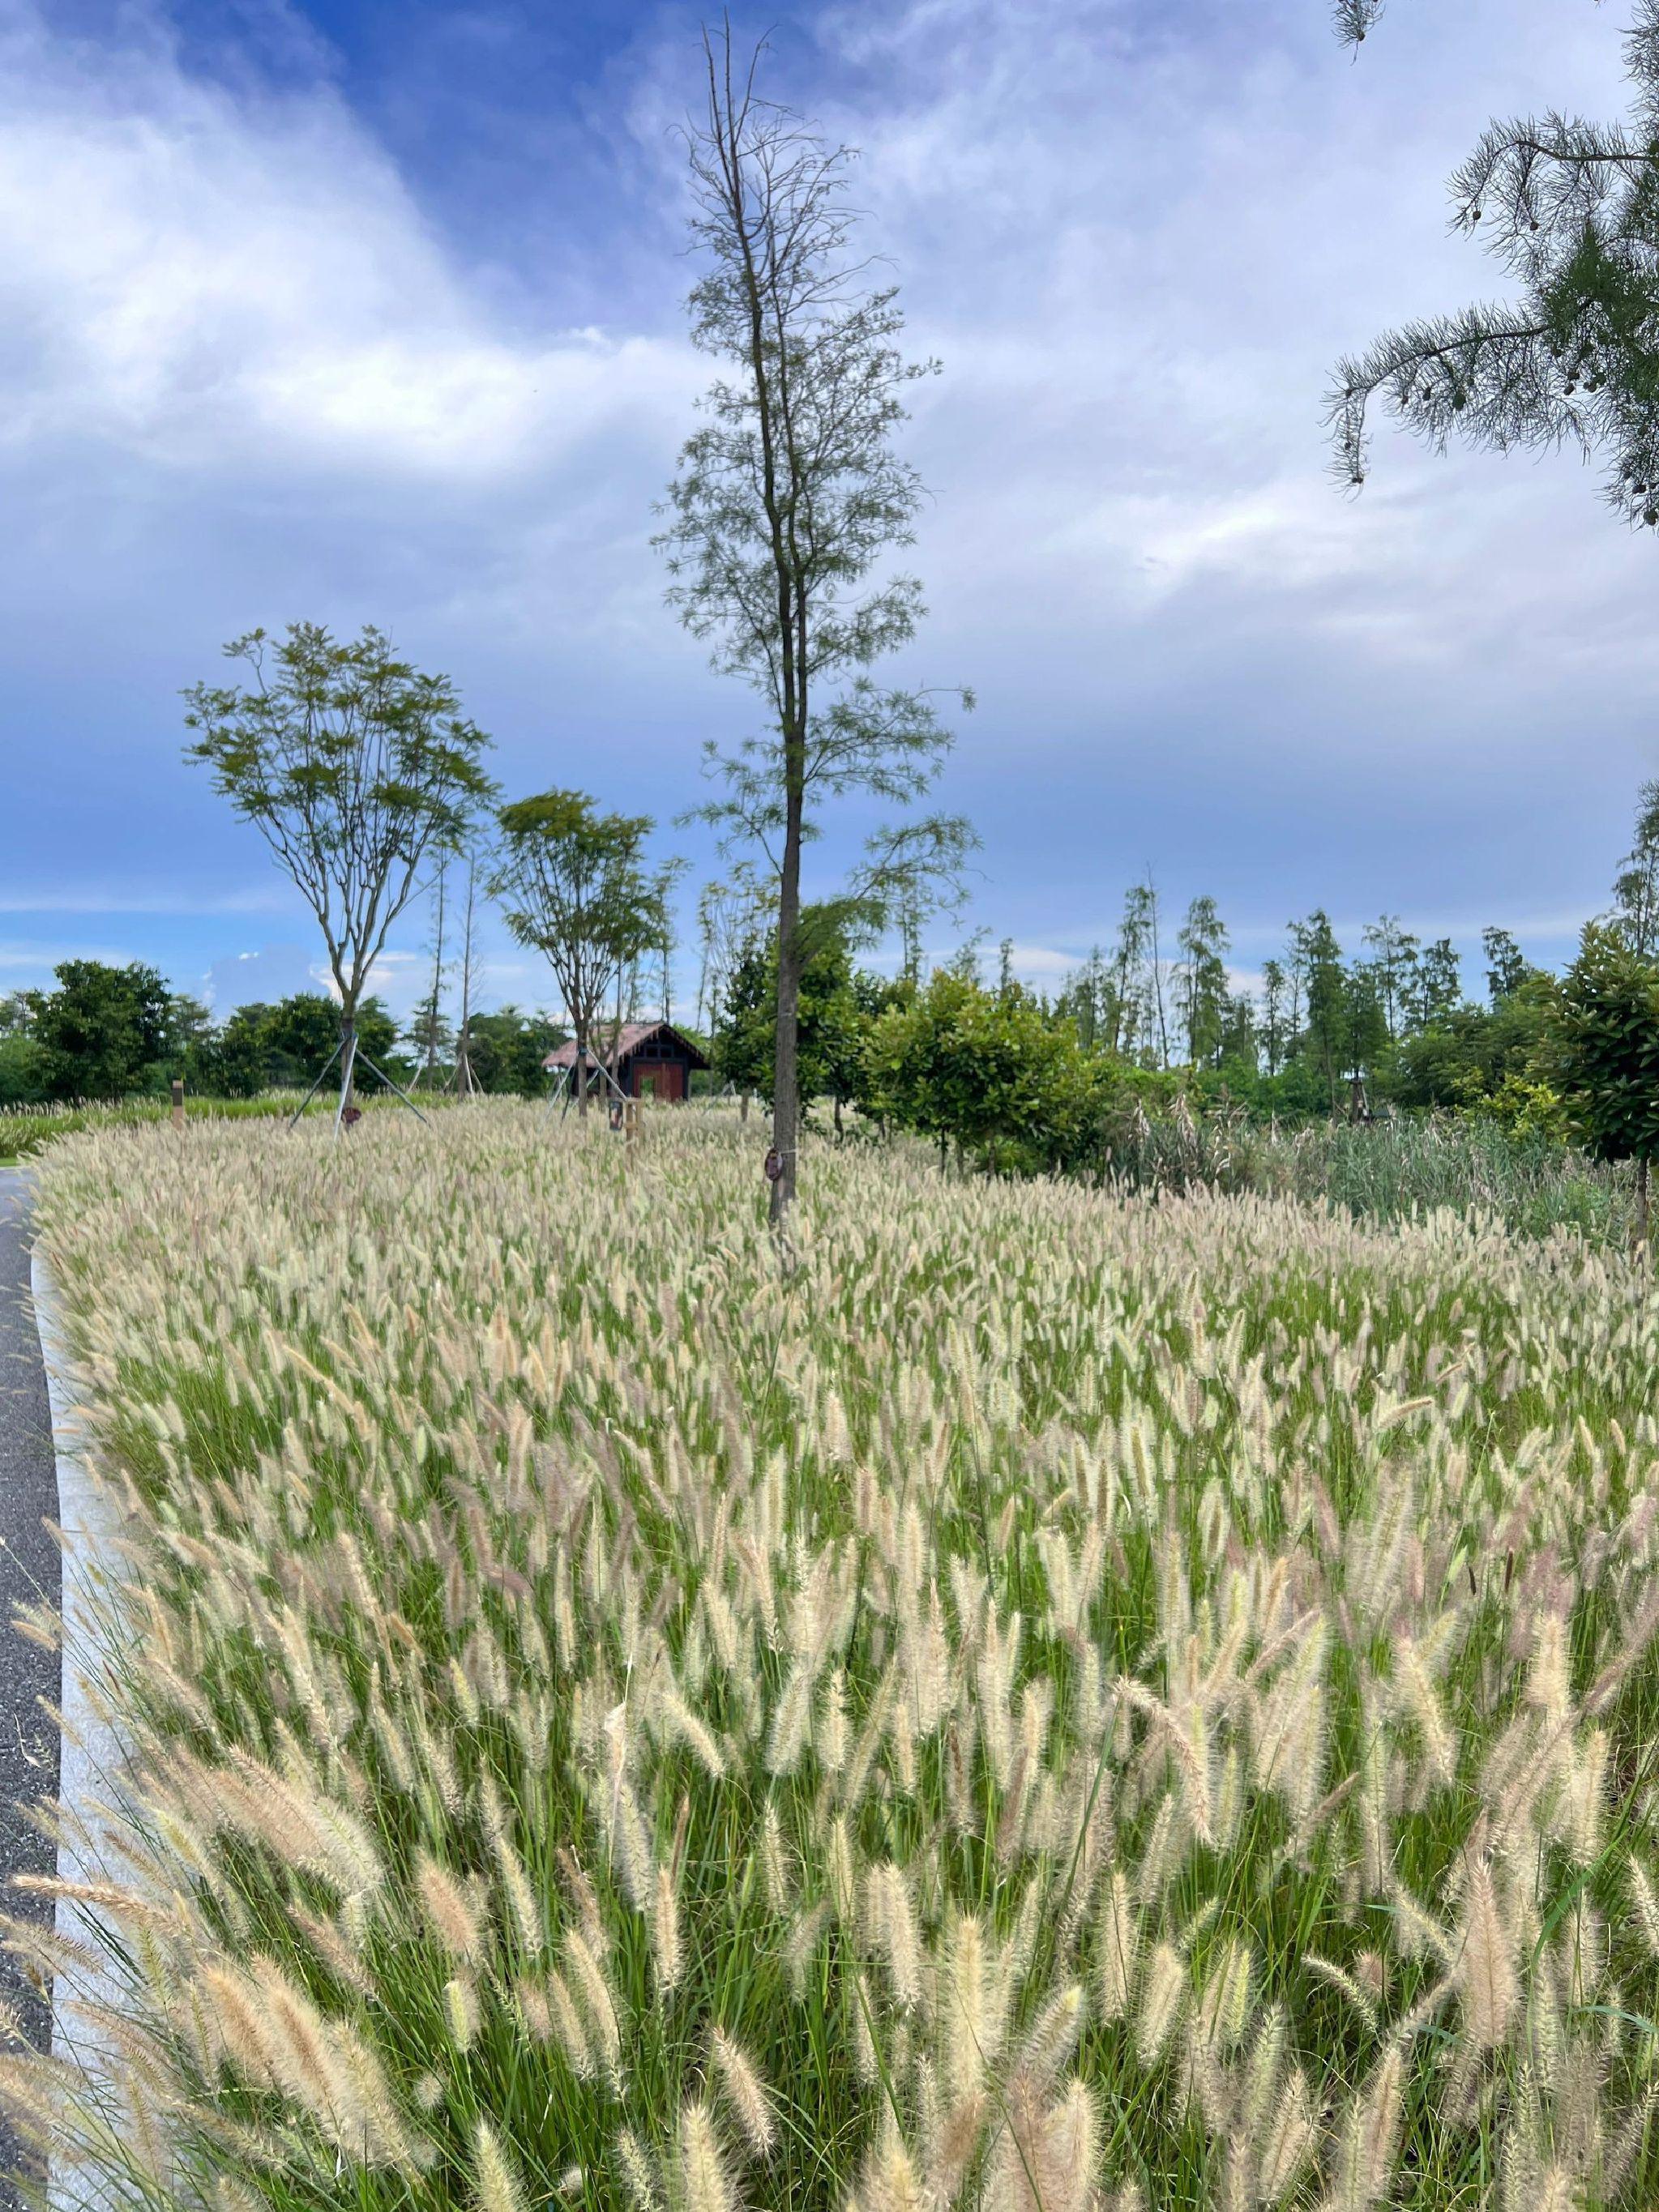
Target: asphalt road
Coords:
[(29, 1566)]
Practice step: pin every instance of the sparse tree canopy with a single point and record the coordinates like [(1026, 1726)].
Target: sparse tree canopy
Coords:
[(788, 500), (356, 769), (1202, 995), (1507, 967), (1569, 209), (574, 884)]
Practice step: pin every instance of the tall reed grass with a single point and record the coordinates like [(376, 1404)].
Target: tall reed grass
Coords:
[(1386, 1170), (1056, 1702)]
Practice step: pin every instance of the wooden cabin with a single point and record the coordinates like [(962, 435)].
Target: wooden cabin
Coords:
[(648, 1060)]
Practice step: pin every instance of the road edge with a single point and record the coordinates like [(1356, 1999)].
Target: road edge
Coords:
[(89, 1752)]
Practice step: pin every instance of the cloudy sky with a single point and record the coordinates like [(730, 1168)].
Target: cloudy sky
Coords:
[(372, 310)]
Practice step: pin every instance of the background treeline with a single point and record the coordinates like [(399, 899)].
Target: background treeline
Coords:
[(120, 1032), (1153, 1062), (1016, 1078)]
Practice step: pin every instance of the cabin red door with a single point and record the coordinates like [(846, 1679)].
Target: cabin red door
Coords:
[(667, 1080)]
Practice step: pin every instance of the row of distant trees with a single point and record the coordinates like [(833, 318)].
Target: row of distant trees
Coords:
[(1015, 1076), (1012, 1078), (106, 1032)]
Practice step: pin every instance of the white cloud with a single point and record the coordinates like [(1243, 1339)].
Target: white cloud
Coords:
[(245, 374), (210, 279)]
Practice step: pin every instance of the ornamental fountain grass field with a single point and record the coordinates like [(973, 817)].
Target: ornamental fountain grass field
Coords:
[(1061, 1701), (26, 1130)]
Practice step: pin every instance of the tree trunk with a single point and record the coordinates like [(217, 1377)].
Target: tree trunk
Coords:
[(347, 1063), (785, 1078), (429, 1067), (579, 1072)]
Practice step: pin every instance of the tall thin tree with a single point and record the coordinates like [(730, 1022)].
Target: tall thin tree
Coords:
[(429, 1031), (1392, 951), (1274, 1026), (787, 498), (1202, 994), (467, 975)]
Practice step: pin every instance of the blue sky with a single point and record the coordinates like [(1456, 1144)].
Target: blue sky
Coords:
[(372, 311)]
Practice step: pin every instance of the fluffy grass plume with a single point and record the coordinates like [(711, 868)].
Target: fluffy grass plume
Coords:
[(1058, 1701)]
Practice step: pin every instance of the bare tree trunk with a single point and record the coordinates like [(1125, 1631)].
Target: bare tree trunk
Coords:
[(347, 1063), (1157, 986), (463, 1078), (579, 1072), (786, 1076), (430, 1066)]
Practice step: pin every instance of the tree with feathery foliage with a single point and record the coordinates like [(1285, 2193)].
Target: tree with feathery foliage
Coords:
[(1569, 209)]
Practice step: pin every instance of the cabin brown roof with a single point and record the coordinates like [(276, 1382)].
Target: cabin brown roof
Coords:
[(614, 1045)]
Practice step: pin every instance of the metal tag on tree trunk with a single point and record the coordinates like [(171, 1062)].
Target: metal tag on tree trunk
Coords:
[(773, 1164)]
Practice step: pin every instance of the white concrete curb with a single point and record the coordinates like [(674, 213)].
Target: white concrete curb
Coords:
[(90, 1754)]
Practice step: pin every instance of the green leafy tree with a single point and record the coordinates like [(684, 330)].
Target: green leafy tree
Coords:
[(1326, 982), (837, 1006), (22, 1071), (230, 1060), (1569, 209), (104, 1032), (574, 884), (1603, 1053), (293, 1035), (788, 500), (1471, 1052), (509, 1051), (356, 769), (745, 1032), (986, 1071)]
